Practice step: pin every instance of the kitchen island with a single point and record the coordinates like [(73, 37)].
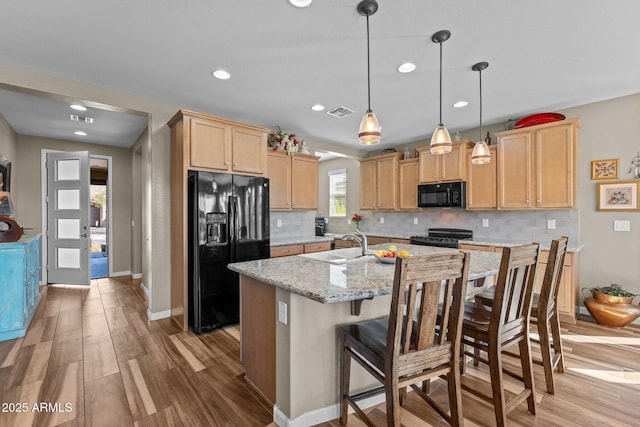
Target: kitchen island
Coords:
[(290, 308)]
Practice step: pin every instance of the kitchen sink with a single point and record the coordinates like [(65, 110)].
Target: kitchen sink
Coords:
[(339, 256)]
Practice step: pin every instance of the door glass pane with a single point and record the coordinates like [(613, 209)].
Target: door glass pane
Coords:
[(68, 199), (68, 229), (68, 170), (68, 257)]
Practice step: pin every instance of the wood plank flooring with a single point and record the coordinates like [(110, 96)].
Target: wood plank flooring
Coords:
[(92, 358)]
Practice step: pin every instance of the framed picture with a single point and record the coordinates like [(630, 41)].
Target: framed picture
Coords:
[(5, 176), (617, 196), (604, 169)]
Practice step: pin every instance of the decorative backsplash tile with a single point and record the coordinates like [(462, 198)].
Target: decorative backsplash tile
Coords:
[(525, 226)]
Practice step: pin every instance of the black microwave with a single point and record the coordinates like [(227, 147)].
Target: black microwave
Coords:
[(443, 195)]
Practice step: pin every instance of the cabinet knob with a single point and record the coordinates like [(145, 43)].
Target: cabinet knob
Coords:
[(235, 164), (226, 163)]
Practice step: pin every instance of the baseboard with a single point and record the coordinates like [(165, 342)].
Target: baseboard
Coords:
[(120, 273), (144, 288), (321, 415), (136, 275), (159, 315)]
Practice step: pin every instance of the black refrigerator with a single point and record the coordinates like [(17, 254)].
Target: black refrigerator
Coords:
[(228, 222)]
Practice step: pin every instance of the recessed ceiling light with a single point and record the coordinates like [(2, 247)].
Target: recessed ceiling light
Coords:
[(221, 74), (300, 3), (460, 104), (80, 133), (407, 67), (317, 107), (78, 107)]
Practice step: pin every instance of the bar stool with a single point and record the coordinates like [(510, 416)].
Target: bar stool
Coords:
[(404, 349), (503, 324), (544, 313)]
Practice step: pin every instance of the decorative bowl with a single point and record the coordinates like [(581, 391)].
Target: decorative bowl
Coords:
[(385, 260), (538, 119)]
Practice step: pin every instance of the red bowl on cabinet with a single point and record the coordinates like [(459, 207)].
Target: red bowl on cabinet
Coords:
[(538, 119)]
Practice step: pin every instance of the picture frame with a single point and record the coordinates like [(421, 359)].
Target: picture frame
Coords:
[(617, 196), (5, 176), (605, 169)]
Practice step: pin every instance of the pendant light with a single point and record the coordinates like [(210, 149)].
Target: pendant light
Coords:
[(369, 132), (440, 140), (481, 154)]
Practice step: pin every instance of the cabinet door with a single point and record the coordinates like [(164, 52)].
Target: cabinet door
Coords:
[(482, 183), (514, 171), (279, 173), (451, 164), (387, 178), (210, 145), (304, 182), (429, 167), (249, 151), (408, 184), (368, 185), (555, 160)]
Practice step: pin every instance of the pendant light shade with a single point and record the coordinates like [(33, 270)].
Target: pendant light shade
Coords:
[(369, 132), (481, 154), (440, 140)]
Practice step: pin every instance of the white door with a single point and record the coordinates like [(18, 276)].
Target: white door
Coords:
[(68, 217)]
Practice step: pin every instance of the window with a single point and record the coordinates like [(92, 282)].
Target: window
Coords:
[(338, 192)]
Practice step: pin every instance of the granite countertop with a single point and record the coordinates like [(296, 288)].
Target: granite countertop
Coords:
[(299, 240), (509, 244), (331, 283)]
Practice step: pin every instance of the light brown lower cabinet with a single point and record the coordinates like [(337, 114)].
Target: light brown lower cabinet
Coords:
[(287, 250)]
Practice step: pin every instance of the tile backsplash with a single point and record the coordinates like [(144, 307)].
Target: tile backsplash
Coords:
[(526, 226)]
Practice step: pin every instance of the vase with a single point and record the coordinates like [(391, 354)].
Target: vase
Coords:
[(612, 311)]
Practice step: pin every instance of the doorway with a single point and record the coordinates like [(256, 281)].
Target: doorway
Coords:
[(98, 217)]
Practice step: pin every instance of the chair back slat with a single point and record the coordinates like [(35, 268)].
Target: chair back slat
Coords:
[(552, 276), (514, 288), (421, 285)]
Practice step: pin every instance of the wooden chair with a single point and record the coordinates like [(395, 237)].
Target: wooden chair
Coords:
[(544, 312), (403, 349), (505, 323)]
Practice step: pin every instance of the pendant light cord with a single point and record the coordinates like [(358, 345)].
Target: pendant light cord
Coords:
[(481, 133), (440, 84), (368, 69)]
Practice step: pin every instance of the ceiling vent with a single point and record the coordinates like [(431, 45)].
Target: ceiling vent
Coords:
[(77, 118), (340, 112)]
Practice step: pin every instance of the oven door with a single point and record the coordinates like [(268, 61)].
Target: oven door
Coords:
[(434, 195)]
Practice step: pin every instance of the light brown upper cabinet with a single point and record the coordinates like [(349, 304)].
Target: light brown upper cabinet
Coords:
[(408, 185), (220, 145), (379, 182), (293, 181), (482, 183), (443, 167), (537, 166)]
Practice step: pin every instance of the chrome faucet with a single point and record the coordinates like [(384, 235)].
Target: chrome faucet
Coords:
[(362, 240)]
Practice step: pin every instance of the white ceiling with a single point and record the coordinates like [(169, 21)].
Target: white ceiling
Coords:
[(544, 55)]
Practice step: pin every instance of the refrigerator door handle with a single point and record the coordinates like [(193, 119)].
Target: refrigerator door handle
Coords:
[(233, 228)]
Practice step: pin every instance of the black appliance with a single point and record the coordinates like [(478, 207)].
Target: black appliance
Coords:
[(228, 222), (443, 237), (443, 195), (321, 226)]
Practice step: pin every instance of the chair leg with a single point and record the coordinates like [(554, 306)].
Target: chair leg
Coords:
[(345, 373), (455, 397), (476, 353), (497, 383), (545, 348), (392, 393), (557, 341), (527, 373)]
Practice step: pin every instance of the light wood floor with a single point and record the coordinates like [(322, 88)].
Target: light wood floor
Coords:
[(94, 350)]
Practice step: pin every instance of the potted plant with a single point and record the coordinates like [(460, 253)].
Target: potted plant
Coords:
[(612, 306)]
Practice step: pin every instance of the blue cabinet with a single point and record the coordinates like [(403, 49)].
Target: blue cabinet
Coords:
[(19, 280)]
